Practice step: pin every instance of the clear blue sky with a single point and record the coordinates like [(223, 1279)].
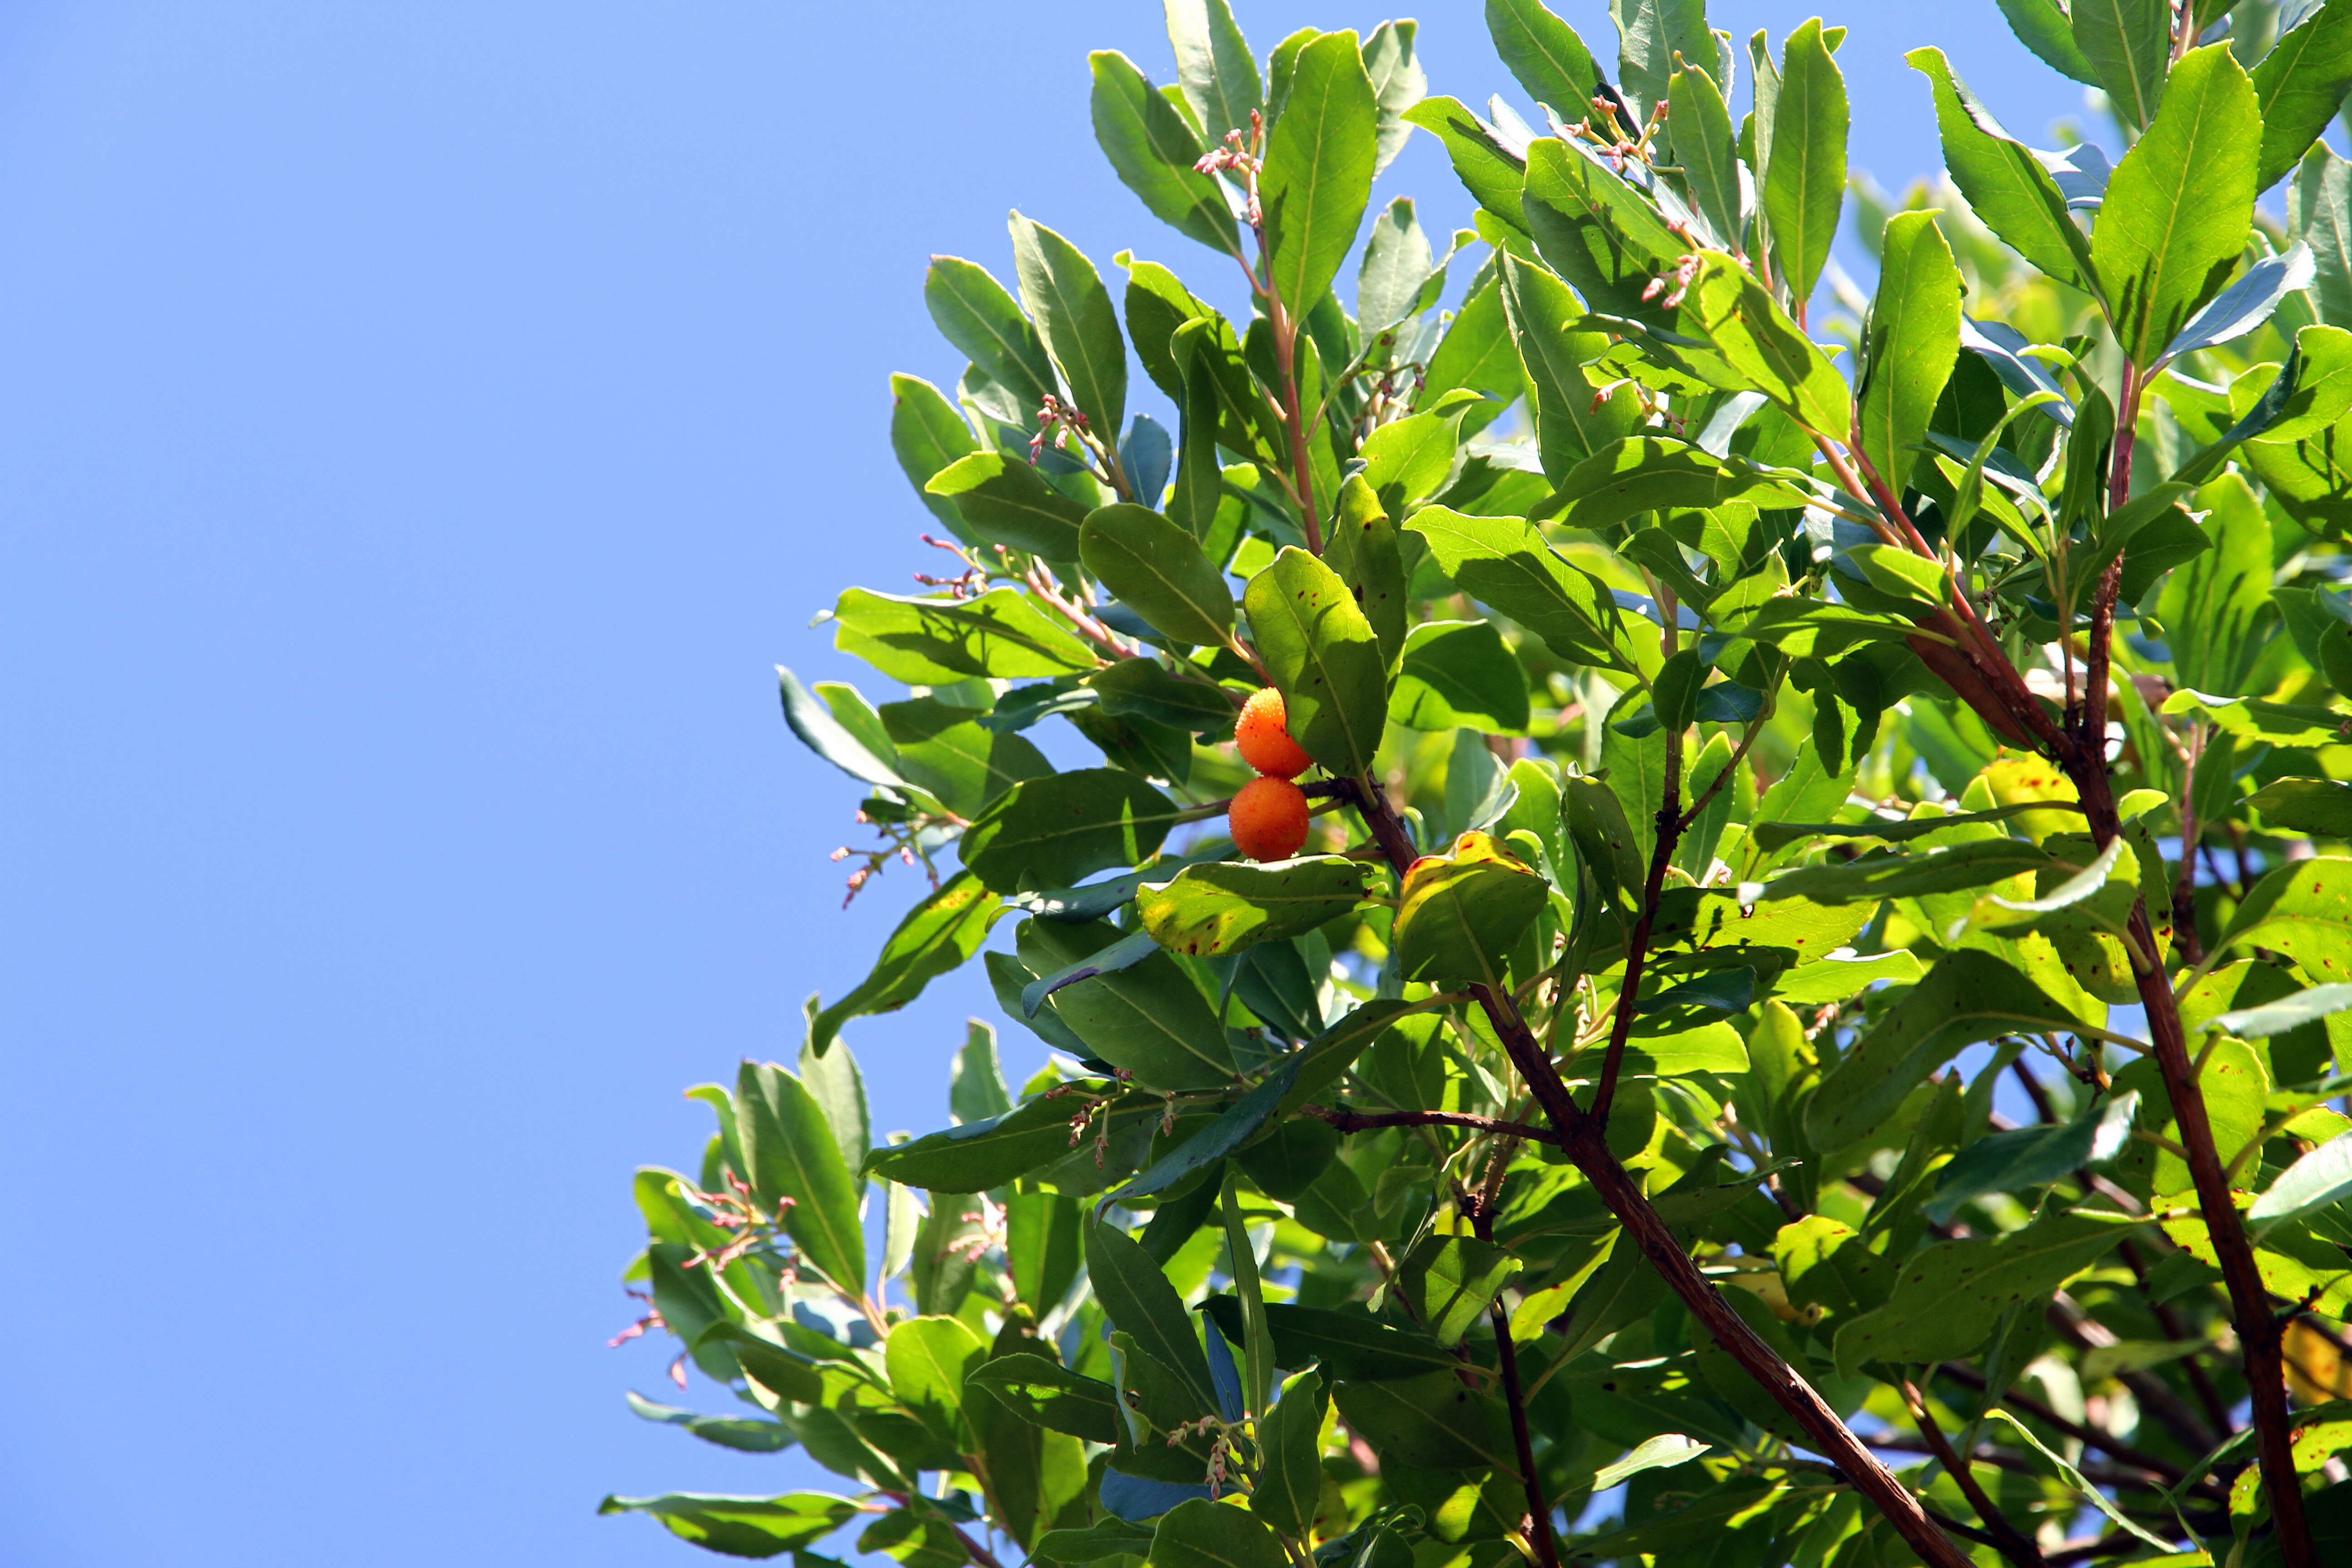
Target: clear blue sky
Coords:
[(422, 426)]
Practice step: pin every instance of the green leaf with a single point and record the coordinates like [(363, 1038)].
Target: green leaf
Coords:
[(937, 935), (1143, 1306), (825, 735), (2260, 1022), (915, 1540), (1233, 1127), (1213, 63), (1458, 914), (1492, 174), (2304, 911), (972, 311), (1451, 1280), (2042, 26), (1352, 1345), (1125, 953), (793, 1153), (1397, 273), (2174, 222), (1597, 232), (1145, 689), (1363, 549), (945, 750), (2006, 185), (1662, 1452), (1319, 167), (1047, 1394), (1399, 81), (745, 1435), (2276, 724), (744, 1526), (928, 1360), (1428, 1421), (785, 1374), (981, 1155), (2317, 1179), (1804, 181), (1968, 997), (1256, 1391), (1290, 1477), (1460, 675), (1572, 423), (1149, 1017), (1157, 570), (832, 1076), (1153, 152), (1049, 832), (1950, 1296), (1198, 1533), (936, 642), (1225, 905), (1076, 317), (2081, 1488), (1503, 561), (1110, 1536), (1914, 341), (1323, 655), (1650, 33), (2299, 85), (2033, 1156), (1738, 315), (927, 434), (1706, 145), (1977, 864), (2128, 44), (1545, 54), (2321, 807), (1650, 473)]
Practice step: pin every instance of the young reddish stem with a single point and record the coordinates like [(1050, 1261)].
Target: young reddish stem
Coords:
[(2008, 1539), (1637, 947)]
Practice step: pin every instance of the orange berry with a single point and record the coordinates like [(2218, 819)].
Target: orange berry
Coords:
[(1269, 819), (1264, 736)]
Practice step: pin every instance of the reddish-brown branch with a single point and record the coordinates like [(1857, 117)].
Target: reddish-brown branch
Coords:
[(1348, 1120), (1588, 1148), (2007, 1539), (1669, 828)]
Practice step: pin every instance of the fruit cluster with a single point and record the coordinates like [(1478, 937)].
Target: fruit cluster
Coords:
[(1268, 816)]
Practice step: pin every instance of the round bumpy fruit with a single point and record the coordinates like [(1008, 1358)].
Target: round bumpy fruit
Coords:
[(1264, 737), (1269, 819)]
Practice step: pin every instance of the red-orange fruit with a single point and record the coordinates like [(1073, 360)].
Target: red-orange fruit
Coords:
[(1269, 819), (1264, 736)]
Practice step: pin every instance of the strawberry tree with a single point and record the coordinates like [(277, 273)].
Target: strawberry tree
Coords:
[(1607, 790)]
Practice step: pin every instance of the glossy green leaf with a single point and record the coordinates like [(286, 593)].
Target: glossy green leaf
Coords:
[(2173, 221), (1544, 53), (1145, 689), (785, 1373), (792, 1153), (1233, 1126), (937, 935), (1392, 60), (935, 642), (1213, 63), (928, 1359), (1977, 864), (1319, 167), (1503, 561), (1605, 238), (2319, 1178), (1290, 1479), (2006, 185), (1804, 180), (2299, 87), (1460, 674), (1460, 913), (1914, 341), (1076, 317), (987, 1153), (1432, 1420), (1949, 1298), (1049, 1394), (927, 434), (1966, 997), (1706, 145), (973, 311), (860, 757), (1143, 1305), (744, 1526), (1199, 1533), (1148, 1017), (1352, 1345), (2027, 1157), (1153, 152), (1226, 906), (833, 1080), (943, 749), (745, 1435), (1747, 326), (2043, 26), (2322, 807), (1494, 174), (2128, 44), (1648, 473), (1049, 832), (1650, 33), (2303, 910), (1573, 421), (1451, 1280), (1324, 658), (1157, 570)]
